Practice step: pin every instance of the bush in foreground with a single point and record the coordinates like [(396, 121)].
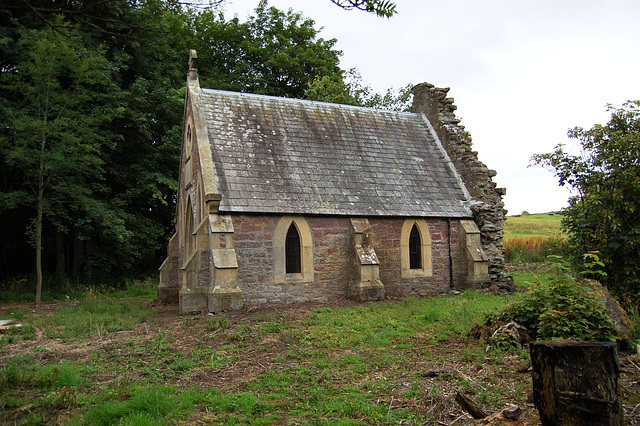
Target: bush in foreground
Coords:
[(562, 307)]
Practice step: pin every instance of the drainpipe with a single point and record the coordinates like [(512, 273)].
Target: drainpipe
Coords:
[(450, 254)]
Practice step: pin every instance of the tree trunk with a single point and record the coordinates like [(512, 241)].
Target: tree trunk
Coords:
[(576, 383), (76, 268), (38, 237), (61, 264)]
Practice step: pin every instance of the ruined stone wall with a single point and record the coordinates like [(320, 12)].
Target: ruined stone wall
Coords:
[(486, 203), (334, 257)]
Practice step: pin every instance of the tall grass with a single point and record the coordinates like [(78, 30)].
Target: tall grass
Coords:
[(533, 249), (94, 318), (21, 289), (531, 238)]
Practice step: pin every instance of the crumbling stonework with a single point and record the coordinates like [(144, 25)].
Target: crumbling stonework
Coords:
[(486, 199)]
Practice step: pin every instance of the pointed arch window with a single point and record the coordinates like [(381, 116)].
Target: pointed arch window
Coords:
[(292, 251), (189, 240), (188, 141), (415, 249)]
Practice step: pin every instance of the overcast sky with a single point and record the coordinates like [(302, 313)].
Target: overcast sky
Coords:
[(522, 72)]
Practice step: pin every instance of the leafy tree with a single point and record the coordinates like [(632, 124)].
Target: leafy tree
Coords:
[(55, 127), (352, 91), (604, 216), (97, 172), (383, 8), (273, 53), (115, 221)]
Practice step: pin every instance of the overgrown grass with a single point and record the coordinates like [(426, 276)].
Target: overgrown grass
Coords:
[(543, 225), (533, 250), (340, 365), (22, 289), (94, 318), (531, 238)]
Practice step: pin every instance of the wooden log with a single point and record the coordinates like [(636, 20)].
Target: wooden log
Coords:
[(576, 383), (470, 406)]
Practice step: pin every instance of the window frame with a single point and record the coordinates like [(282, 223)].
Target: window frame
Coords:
[(426, 266), (306, 251), (293, 251), (189, 238), (415, 248)]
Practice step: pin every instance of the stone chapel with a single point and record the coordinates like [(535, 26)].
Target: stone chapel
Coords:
[(287, 200)]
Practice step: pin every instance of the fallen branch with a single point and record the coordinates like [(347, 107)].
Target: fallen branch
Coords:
[(470, 406)]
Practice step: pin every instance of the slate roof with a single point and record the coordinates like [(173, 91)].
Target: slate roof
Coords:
[(280, 155)]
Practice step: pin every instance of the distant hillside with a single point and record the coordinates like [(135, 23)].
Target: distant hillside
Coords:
[(533, 225)]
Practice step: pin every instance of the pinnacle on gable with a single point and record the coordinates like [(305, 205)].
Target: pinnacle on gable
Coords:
[(193, 71)]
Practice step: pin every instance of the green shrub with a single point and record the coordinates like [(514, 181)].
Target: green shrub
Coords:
[(562, 307)]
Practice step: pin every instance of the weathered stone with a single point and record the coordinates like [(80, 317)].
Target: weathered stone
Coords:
[(512, 334), (268, 186), (486, 203), (616, 312)]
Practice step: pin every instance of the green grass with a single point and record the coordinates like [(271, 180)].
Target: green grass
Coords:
[(339, 365), (94, 318), (531, 238), (543, 225), (22, 289)]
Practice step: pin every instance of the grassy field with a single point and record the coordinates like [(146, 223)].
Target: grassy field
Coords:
[(544, 225), (530, 238), (126, 360), (97, 362)]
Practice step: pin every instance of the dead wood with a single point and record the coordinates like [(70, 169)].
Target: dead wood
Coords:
[(470, 406), (576, 383)]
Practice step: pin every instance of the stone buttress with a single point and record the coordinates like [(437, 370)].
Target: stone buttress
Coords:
[(367, 285)]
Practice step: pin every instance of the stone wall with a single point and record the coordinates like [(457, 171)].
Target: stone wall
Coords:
[(333, 259), (486, 199), (386, 234)]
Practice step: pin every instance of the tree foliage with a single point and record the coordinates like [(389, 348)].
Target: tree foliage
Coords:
[(382, 8), (604, 216), (562, 307), (273, 52), (61, 104), (351, 90)]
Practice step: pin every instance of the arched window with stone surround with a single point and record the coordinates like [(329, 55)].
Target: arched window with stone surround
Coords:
[(189, 239), (293, 251), (415, 249)]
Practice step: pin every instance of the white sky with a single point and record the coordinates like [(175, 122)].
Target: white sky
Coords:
[(522, 72)]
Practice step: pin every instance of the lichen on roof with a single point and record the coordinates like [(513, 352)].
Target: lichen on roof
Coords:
[(281, 155)]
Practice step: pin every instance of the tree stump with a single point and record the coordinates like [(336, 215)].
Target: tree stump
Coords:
[(576, 383)]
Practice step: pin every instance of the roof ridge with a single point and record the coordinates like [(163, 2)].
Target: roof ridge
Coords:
[(309, 101)]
